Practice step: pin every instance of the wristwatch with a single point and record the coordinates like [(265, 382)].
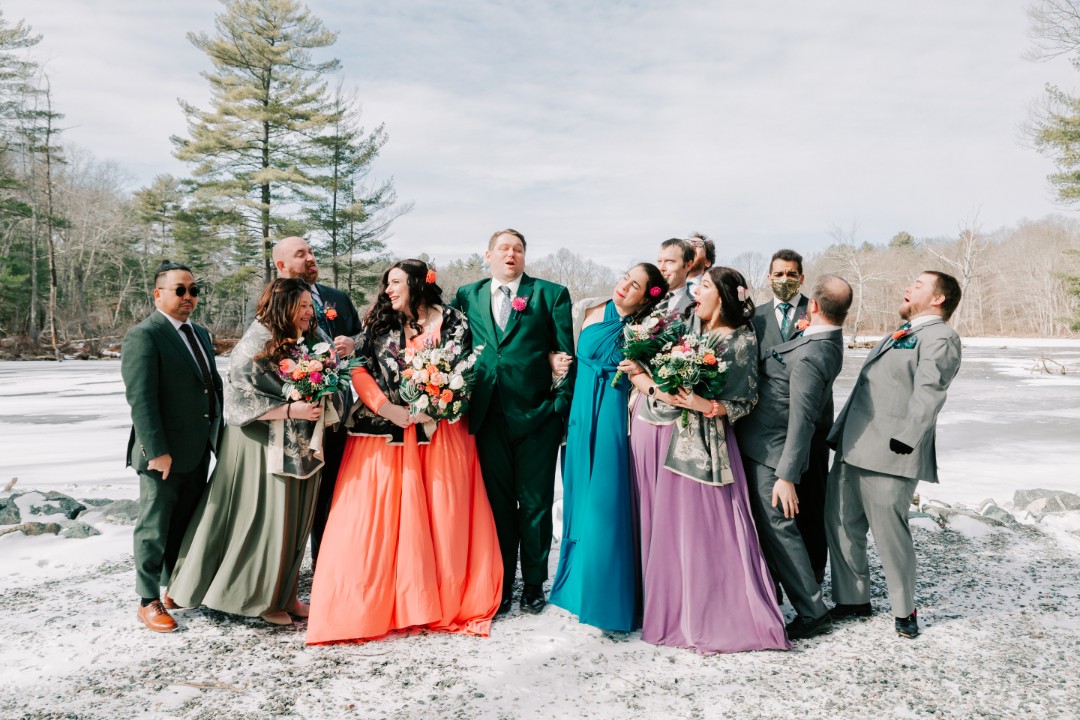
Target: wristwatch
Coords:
[(652, 390)]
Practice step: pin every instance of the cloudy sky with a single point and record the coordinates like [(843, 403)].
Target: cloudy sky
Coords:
[(607, 126)]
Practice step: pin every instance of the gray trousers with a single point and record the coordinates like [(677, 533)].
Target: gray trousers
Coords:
[(857, 501), (782, 544)]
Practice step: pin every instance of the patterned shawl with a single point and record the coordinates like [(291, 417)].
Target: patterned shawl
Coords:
[(295, 446), (383, 360)]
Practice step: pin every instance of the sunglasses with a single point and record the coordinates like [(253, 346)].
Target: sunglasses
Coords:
[(181, 291)]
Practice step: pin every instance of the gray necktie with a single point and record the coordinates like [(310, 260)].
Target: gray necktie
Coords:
[(503, 313), (785, 327)]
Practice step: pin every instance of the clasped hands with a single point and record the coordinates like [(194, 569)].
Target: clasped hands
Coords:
[(400, 416)]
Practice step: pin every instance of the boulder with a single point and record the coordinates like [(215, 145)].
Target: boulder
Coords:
[(33, 528), (121, 512), (990, 510), (1055, 500), (943, 513), (9, 512), (40, 504), (77, 529)]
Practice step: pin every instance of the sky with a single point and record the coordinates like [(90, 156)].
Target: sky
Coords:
[(611, 125)]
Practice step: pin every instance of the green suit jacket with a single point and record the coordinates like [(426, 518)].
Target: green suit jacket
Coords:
[(515, 361), (170, 406)]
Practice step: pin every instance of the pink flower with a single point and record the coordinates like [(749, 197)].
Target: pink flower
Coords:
[(287, 365), (520, 303), (315, 377), (655, 290), (314, 365)]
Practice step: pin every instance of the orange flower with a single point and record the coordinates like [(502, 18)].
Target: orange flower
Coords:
[(287, 365), (432, 390), (407, 372), (430, 277), (431, 370), (709, 359), (802, 324), (298, 374), (331, 314), (900, 333), (447, 396)]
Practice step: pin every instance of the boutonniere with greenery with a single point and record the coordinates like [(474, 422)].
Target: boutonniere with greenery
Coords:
[(904, 339)]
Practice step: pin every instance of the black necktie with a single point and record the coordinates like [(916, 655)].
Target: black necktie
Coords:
[(189, 333)]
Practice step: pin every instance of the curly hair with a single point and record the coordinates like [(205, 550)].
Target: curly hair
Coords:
[(382, 318), (276, 309), (733, 311)]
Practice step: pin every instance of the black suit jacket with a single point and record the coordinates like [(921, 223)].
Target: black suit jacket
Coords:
[(347, 321)]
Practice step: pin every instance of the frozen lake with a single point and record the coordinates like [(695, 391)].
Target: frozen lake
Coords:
[(64, 426)]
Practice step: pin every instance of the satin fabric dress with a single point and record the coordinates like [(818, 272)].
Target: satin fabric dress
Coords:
[(410, 542), (705, 582), (597, 576)]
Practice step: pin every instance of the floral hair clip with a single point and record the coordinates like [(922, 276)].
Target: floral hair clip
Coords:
[(655, 290), (743, 294), (430, 277)]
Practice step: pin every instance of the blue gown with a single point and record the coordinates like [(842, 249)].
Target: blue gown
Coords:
[(597, 578)]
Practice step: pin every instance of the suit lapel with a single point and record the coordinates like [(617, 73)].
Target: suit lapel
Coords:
[(178, 344), (801, 314), (483, 306), (525, 290)]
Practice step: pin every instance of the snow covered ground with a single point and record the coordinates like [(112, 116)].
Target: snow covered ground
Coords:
[(999, 607)]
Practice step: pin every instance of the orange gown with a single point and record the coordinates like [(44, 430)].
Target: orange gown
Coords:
[(410, 542)]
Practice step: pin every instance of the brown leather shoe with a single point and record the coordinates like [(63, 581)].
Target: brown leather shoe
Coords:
[(169, 603), (155, 617)]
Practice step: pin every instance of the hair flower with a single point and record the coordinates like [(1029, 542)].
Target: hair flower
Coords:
[(519, 303), (655, 290), (743, 293), (430, 277)]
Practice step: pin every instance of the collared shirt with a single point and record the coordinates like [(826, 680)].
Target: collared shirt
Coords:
[(794, 302), (677, 294), (922, 319), (513, 285), (817, 329), (693, 282), (315, 296), (176, 324)]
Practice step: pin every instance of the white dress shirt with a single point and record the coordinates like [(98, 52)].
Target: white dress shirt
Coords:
[(176, 324)]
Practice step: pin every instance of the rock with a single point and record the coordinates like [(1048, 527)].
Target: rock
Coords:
[(9, 512), (121, 512), (77, 529), (1024, 498), (33, 528), (38, 503), (1052, 501), (95, 502), (998, 513), (942, 513)]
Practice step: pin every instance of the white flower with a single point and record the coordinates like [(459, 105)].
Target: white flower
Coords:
[(422, 402), (421, 377), (456, 382), (418, 362), (321, 348), (651, 322), (437, 379)]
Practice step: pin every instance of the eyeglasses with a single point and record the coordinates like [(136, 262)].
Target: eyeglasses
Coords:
[(181, 291)]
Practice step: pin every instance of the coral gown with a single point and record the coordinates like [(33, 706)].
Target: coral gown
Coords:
[(410, 542)]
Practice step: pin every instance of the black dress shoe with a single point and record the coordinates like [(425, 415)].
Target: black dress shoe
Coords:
[(842, 611), (907, 627), (504, 606), (533, 599), (802, 628)]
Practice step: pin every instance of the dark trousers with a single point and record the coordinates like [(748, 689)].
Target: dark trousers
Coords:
[(811, 517), (519, 474), (165, 510), (782, 545), (333, 450)]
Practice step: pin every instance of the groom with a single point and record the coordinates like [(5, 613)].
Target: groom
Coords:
[(884, 441), (517, 418)]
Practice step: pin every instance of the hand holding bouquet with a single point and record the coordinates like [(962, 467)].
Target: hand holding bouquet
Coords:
[(312, 373), (437, 381), (691, 362), (641, 341)]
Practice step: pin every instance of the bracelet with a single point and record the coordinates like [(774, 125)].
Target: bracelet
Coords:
[(714, 411), (288, 411)]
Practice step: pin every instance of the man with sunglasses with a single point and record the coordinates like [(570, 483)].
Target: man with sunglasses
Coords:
[(704, 258), (174, 390)]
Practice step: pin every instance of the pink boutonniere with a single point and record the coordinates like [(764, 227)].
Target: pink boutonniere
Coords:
[(520, 303), (804, 322)]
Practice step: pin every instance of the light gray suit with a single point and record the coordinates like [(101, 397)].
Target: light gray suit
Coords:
[(898, 395), (683, 299), (794, 397)]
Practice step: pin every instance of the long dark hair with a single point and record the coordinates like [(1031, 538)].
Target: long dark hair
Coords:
[(655, 279), (733, 311), (382, 318), (276, 308)]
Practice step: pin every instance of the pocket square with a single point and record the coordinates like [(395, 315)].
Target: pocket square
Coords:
[(778, 357), (906, 343)]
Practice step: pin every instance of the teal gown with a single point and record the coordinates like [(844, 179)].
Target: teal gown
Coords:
[(597, 578)]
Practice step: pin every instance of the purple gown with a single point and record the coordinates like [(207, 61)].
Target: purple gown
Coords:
[(705, 582)]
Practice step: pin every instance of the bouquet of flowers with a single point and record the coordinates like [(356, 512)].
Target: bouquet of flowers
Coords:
[(312, 373), (435, 382), (691, 361), (641, 341)]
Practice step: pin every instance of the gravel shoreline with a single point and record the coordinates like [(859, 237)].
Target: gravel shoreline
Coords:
[(1001, 639)]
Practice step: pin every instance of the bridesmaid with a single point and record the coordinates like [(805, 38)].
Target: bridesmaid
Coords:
[(705, 582), (410, 541), (243, 549), (597, 577)]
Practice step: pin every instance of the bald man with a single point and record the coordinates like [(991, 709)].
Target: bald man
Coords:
[(337, 317)]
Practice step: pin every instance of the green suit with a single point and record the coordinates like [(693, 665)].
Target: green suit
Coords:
[(517, 418), (170, 414)]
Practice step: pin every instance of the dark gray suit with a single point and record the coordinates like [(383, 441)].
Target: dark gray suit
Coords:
[(811, 488), (794, 383), (898, 395)]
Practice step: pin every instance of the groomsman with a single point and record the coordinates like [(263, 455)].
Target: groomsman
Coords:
[(174, 390), (516, 416), (775, 322), (884, 440), (338, 318), (704, 258), (794, 386), (674, 260)]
